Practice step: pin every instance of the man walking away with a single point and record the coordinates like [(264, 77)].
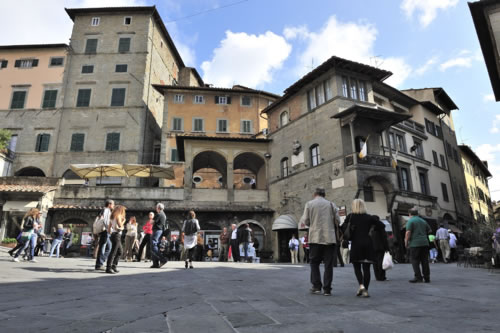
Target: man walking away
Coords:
[(453, 245), (246, 239), (321, 216), (159, 226), (443, 237), (293, 244), (235, 244), (381, 246), (305, 246), (223, 244), (104, 247), (416, 239)]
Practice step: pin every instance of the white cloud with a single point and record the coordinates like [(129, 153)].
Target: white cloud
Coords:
[(426, 9), (427, 66), (456, 62), (488, 98), (351, 40), (246, 59), (488, 152), (494, 128)]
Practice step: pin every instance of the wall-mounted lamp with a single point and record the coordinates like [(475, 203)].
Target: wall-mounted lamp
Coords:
[(267, 155)]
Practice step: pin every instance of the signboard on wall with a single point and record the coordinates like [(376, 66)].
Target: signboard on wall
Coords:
[(86, 237)]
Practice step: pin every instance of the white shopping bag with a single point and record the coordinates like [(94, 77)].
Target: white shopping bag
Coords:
[(387, 262)]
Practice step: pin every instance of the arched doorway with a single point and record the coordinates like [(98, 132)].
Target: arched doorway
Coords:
[(30, 172), (376, 192), (249, 171), (259, 233), (285, 226), (209, 170), (69, 174)]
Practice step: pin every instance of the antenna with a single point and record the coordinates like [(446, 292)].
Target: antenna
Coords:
[(312, 64), (377, 61)]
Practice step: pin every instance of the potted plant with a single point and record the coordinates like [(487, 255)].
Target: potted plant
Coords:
[(9, 242)]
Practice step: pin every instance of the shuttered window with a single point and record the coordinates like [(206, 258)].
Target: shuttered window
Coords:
[(222, 125), (223, 100), (87, 69), (18, 98), (198, 125), (77, 140), (124, 45), (121, 68), (113, 142), (42, 142), (177, 124), (3, 63), (91, 46), (49, 99), (118, 97), (83, 98), (246, 126), (57, 61), (174, 155)]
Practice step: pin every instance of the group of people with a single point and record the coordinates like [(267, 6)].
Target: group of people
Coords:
[(444, 241)]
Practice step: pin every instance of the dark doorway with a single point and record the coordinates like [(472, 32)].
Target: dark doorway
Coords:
[(284, 236)]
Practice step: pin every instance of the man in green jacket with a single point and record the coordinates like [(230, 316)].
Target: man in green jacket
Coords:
[(416, 239)]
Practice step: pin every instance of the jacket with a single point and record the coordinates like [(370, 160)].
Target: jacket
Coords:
[(224, 238), (322, 217), (148, 228), (160, 222)]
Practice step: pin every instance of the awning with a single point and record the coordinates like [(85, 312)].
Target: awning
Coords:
[(98, 170), (454, 229), (19, 206), (285, 222), (403, 219), (148, 170)]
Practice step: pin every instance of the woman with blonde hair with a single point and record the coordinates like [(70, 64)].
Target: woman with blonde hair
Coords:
[(190, 230), (362, 252), (116, 225), (27, 229), (130, 238)]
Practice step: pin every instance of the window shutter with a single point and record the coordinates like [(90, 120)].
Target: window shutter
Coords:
[(124, 45), (228, 99), (34, 63), (17, 63), (43, 142), (216, 99), (4, 63), (38, 140), (118, 97)]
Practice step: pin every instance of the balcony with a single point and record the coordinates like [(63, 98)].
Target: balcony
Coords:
[(371, 160)]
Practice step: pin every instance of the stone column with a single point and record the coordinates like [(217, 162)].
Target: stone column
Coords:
[(230, 181), (188, 173), (353, 143)]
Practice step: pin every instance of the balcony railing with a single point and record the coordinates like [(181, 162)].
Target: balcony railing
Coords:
[(374, 160)]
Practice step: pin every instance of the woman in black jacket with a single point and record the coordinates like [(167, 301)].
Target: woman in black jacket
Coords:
[(27, 231), (362, 251)]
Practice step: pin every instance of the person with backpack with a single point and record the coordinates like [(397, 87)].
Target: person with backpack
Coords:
[(190, 230), (101, 227), (27, 231), (293, 245), (159, 227)]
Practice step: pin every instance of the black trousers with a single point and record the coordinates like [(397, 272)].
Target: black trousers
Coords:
[(145, 243), (419, 256), (338, 257), (235, 249), (377, 266), (306, 255), (116, 250), (319, 253)]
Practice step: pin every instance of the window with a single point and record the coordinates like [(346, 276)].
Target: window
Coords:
[(12, 143), (156, 154), (246, 101), (18, 98), (222, 126), (328, 90), (198, 125), (77, 140), (223, 100), (83, 98), (400, 140), (430, 127), (118, 97), (95, 21), (246, 126), (127, 20), (345, 87), (320, 94), (455, 155), (312, 99), (91, 46), (113, 141), (368, 194), (56, 61), (124, 45), (424, 187), (42, 142), (445, 192), (448, 149), (174, 155), (315, 156), (177, 124), (435, 156), (87, 69), (284, 167), (354, 89), (178, 98), (3, 63), (49, 99), (392, 143), (443, 161), (404, 178), (121, 68), (418, 148), (26, 63), (362, 91), (199, 99), (283, 118)]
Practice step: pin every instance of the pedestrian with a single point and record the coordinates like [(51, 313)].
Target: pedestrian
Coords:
[(322, 218), (304, 241), (104, 247), (57, 240), (210, 250), (67, 241), (37, 229), (381, 246), (147, 229), (433, 252), (130, 238), (496, 245), (246, 239), (362, 250), (417, 241), (163, 246), (346, 248), (235, 244), (293, 245), (453, 245), (174, 249), (190, 229), (27, 230), (159, 227), (223, 244), (443, 237), (199, 248), (116, 226), (183, 248)]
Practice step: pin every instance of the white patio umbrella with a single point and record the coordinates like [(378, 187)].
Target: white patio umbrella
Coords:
[(98, 170), (149, 170)]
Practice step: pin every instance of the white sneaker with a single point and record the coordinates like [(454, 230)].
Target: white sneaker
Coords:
[(15, 260), (33, 260)]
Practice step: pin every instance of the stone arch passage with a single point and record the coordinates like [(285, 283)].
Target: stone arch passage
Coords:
[(30, 172), (249, 165), (210, 166)]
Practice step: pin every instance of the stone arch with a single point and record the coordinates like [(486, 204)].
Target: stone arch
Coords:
[(30, 172), (69, 174), (260, 234), (249, 164), (386, 184), (210, 165), (250, 221), (376, 192)]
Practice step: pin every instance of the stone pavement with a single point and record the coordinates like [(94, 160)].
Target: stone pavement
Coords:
[(67, 295)]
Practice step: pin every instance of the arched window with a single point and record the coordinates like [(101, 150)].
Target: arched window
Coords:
[(315, 156), (284, 167), (284, 118)]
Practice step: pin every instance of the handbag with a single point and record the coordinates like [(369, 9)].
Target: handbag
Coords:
[(348, 231), (26, 235), (387, 262)]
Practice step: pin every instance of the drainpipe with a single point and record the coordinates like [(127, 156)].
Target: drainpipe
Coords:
[(449, 175), (147, 96)]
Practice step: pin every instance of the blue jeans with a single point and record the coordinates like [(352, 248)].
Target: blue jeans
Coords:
[(33, 240), (56, 244), (156, 255), (245, 250), (104, 249)]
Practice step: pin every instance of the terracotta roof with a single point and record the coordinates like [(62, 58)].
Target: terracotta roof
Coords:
[(76, 207), (33, 46), (27, 188), (175, 209)]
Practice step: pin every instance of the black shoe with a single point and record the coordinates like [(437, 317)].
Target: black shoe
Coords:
[(110, 271), (185, 264), (316, 291), (327, 293), (191, 267), (11, 253), (162, 263), (416, 281), (427, 280), (115, 270), (99, 268), (155, 266)]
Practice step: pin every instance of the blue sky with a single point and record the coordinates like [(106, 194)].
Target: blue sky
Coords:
[(269, 44)]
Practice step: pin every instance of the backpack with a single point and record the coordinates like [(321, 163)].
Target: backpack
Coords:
[(190, 228), (292, 246), (99, 225)]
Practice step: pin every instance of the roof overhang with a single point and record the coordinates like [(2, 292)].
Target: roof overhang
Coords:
[(433, 108), (394, 94), (19, 206), (163, 88), (33, 46), (383, 118), (469, 152)]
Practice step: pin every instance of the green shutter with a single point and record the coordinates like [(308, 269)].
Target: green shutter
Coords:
[(17, 63), (49, 99), (18, 98), (228, 99), (4, 63), (77, 140), (83, 98), (118, 97), (34, 63), (113, 141), (91, 46), (216, 99), (42, 142), (124, 45)]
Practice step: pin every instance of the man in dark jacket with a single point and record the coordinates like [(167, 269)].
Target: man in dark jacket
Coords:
[(381, 246), (235, 243), (159, 226)]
